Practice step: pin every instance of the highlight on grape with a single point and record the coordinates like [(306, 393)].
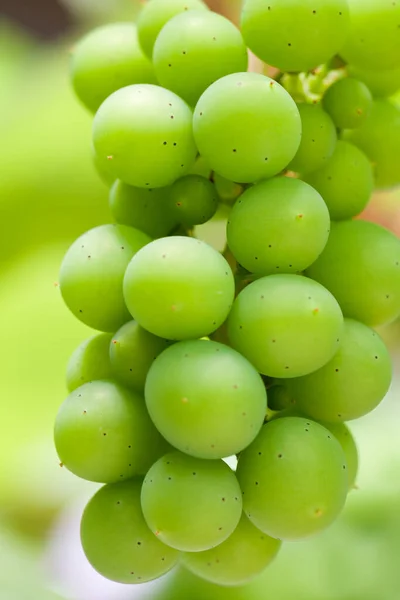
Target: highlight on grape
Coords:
[(263, 351)]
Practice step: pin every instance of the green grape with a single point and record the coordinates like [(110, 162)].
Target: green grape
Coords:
[(379, 138), (191, 504), (179, 288), (352, 384), (360, 265), (345, 182), (228, 191), (145, 132), (107, 59), (145, 209), (194, 200), (155, 14), (247, 127), (286, 325), (318, 139), (281, 224), (349, 102), (103, 433), (279, 397), (116, 539), (373, 41), (293, 478), (92, 272), (132, 352), (295, 36), (380, 83), (89, 361), (201, 168), (243, 556), (196, 48), (195, 387)]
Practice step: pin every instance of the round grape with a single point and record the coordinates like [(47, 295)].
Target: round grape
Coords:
[(380, 83), (293, 478), (379, 138), (156, 13), (92, 272), (360, 265), (145, 132), (107, 59), (194, 200), (279, 398), (191, 504), (349, 102), (243, 556), (196, 48), (295, 36), (373, 40), (116, 539), (194, 387), (281, 224), (247, 127), (89, 361), (179, 288), (318, 139), (103, 433), (286, 325), (352, 384), (131, 354), (345, 182), (145, 209)]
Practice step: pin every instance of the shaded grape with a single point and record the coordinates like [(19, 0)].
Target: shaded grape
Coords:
[(89, 361)]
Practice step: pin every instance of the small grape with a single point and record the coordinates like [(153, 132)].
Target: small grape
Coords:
[(349, 102), (89, 361), (193, 200), (243, 556), (279, 224), (293, 478), (116, 539), (247, 127), (103, 433), (179, 288), (92, 272), (285, 325), (194, 387), (191, 504)]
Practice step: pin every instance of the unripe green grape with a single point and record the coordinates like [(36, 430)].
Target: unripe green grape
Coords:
[(194, 49), (145, 132), (293, 478), (247, 127), (191, 504), (227, 190), (279, 398), (201, 168), (107, 59), (206, 399), (89, 361), (193, 200), (318, 139), (145, 209), (281, 224), (360, 265), (243, 556), (103, 433), (380, 83), (131, 354), (295, 36), (155, 14), (379, 138), (345, 182), (92, 272), (116, 539), (352, 384), (179, 288), (373, 40), (349, 102), (286, 325)]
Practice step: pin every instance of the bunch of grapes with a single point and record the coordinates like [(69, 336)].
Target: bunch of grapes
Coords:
[(260, 353)]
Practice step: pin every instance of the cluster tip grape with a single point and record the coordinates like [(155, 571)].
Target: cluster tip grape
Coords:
[(259, 354)]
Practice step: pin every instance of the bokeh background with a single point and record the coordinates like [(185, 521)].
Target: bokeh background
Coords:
[(50, 194)]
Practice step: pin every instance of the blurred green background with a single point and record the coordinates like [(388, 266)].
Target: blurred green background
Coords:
[(49, 194)]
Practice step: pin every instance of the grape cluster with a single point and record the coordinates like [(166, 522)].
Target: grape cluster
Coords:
[(264, 351)]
